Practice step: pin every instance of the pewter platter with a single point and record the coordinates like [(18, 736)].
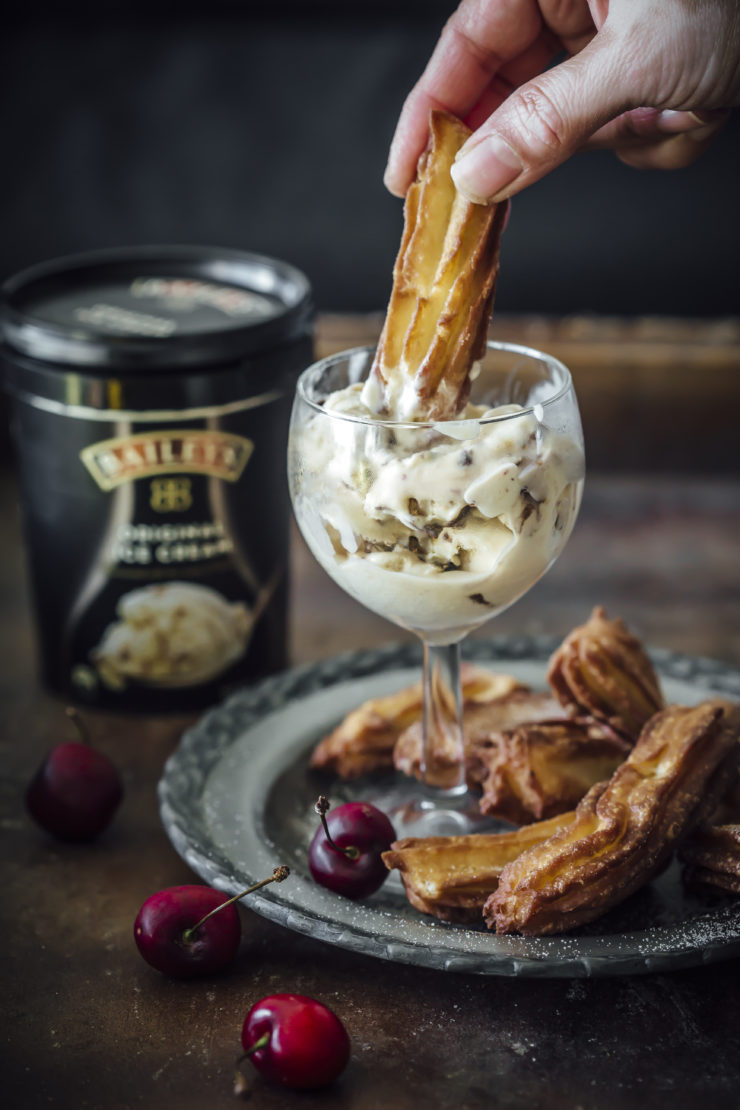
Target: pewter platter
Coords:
[(237, 796)]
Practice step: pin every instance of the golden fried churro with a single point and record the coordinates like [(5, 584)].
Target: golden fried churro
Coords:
[(480, 719), (602, 671), (624, 830), (711, 858), (484, 723), (727, 811), (443, 286), (539, 770), (364, 740), (451, 876)]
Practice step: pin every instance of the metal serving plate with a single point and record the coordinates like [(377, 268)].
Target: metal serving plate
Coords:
[(237, 797)]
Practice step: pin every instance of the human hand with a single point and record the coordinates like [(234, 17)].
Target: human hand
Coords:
[(653, 79)]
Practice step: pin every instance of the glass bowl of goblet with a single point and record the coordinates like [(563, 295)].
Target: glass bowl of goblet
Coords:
[(438, 526)]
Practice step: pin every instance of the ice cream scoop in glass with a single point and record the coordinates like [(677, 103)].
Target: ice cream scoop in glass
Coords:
[(438, 526)]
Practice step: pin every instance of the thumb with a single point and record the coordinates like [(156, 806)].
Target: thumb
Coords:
[(543, 122)]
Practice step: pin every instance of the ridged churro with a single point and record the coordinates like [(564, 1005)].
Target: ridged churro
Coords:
[(624, 830), (711, 858), (443, 286), (542, 769), (451, 877), (602, 671)]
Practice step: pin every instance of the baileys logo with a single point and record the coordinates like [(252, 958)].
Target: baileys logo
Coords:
[(126, 458)]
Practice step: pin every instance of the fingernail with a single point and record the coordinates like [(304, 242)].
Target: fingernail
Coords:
[(675, 123), (482, 173), (390, 180)]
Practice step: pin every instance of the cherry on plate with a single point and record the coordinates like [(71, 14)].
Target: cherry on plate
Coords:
[(346, 852), (76, 790), (296, 1041), (186, 931)]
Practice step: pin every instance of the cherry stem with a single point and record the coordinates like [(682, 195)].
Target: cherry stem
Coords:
[(79, 724), (321, 807), (278, 875), (261, 1042), (240, 1083)]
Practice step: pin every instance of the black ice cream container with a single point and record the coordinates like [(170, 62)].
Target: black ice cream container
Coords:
[(150, 398)]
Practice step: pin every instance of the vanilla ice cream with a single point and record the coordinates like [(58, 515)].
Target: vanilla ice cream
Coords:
[(436, 527)]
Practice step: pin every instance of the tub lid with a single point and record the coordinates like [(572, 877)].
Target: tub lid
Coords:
[(163, 307)]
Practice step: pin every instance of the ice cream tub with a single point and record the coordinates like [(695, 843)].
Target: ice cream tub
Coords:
[(150, 396)]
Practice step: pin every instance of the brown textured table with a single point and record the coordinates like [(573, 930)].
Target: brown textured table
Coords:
[(86, 1024)]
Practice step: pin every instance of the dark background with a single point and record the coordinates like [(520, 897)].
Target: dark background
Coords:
[(266, 126)]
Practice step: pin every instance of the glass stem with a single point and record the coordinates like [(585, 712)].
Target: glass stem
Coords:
[(443, 753)]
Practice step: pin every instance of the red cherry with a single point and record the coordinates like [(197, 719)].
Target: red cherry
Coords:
[(185, 931), (345, 853), (75, 791), (295, 1041), (166, 936)]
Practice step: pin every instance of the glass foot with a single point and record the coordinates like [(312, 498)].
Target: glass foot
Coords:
[(414, 810)]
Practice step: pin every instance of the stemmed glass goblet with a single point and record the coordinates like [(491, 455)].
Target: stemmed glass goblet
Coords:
[(438, 526)]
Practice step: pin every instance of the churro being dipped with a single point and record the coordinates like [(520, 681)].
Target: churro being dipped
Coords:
[(444, 281)]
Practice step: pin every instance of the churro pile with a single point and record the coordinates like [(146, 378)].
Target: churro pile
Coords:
[(605, 781)]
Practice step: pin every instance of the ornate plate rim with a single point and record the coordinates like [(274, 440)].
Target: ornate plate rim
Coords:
[(205, 744)]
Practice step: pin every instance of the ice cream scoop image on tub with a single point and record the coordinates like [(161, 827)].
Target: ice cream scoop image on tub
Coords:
[(437, 527), (172, 634)]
